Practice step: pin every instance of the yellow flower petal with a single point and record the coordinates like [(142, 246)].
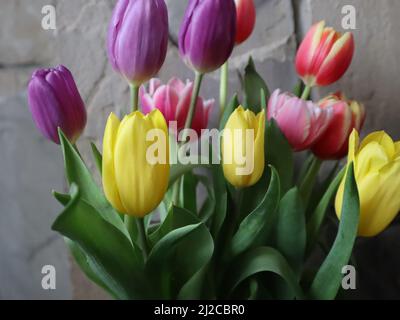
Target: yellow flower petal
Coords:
[(240, 155), (371, 159), (383, 139), (108, 169), (379, 208), (141, 185)]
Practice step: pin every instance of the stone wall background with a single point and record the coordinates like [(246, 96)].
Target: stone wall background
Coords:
[(30, 166)]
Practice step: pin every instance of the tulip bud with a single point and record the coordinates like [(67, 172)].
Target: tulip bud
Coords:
[(55, 102), (377, 173), (138, 39), (207, 34), (243, 148), (347, 115), (245, 19), (324, 55), (302, 122), (132, 183), (173, 100)]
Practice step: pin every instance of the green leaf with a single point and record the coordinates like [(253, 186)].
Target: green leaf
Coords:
[(98, 158), (263, 100), (232, 105), (279, 154), (327, 282), (63, 199), (318, 216), (83, 262), (176, 218), (260, 220), (308, 183), (253, 84), (179, 259), (261, 259), (159, 262), (208, 207), (291, 229), (193, 289), (116, 263), (305, 167), (221, 201), (78, 173), (191, 263), (189, 192)]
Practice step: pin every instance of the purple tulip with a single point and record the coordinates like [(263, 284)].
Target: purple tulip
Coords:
[(138, 39), (55, 102), (207, 35)]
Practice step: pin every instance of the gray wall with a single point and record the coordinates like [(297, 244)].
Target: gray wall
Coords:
[(30, 166)]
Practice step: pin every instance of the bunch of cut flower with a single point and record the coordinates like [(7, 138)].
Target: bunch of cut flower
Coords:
[(145, 234)]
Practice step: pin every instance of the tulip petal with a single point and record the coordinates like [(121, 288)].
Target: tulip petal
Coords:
[(336, 134), (371, 158), (246, 19), (166, 100), (384, 204), (237, 148), (338, 61), (259, 157), (397, 148), (108, 168), (141, 184), (383, 139), (354, 142), (307, 49)]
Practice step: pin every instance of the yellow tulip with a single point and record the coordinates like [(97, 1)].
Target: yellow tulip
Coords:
[(243, 148), (377, 173), (133, 184)]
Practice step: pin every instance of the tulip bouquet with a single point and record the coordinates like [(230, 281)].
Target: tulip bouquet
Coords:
[(146, 233)]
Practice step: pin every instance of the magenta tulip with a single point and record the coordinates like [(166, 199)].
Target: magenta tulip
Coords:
[(207, 35), (55, 102)]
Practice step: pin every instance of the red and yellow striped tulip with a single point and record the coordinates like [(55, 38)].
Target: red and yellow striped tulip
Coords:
[(324, 55)]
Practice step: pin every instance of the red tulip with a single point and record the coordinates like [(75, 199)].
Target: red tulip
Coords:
[(347, 115), (245, 19), (324, 55)]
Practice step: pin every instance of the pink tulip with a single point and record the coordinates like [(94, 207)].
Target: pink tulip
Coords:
[(302, 122), (347, 115), (173, 100), (324, 55)]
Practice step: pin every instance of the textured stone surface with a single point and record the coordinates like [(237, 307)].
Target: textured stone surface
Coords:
[(33, 166), (30, 168)]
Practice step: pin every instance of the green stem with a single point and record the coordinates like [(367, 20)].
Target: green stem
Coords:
[(188, 124), (134, 97), (306, 93), (175, 192), (236, 215), (142, 237), (193, 100), (223, 91), (130, 224), (308, 183)]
